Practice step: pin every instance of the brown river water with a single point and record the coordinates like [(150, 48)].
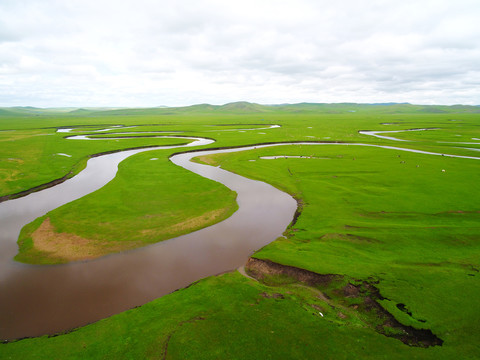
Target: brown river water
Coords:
[(38, 300)]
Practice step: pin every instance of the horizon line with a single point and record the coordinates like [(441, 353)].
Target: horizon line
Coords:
[(112, 107)]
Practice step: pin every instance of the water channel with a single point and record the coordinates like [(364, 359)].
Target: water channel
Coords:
[(37, 300)]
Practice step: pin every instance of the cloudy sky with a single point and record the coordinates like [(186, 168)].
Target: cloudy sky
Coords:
[(158, 52)]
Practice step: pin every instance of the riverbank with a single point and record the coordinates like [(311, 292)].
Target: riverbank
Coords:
[(191, 210)]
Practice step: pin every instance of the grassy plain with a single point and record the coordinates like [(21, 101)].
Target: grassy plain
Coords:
[(392, 218), (148, 201), (373, 214)]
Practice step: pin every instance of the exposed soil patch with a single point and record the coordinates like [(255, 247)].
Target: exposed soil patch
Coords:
[(61, 245), (298, 211), (206, 159), (350, 290), (272, 296), (260, 268), (187, 225), (362, 296), (67, 247)]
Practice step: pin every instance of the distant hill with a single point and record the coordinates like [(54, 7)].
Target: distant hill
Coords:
[(80, 111), (244, 107), (389, 103), (4, 112)]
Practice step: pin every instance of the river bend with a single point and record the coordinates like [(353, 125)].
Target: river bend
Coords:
[(37, 300)]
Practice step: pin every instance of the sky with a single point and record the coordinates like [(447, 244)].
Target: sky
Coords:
[(142, 53)]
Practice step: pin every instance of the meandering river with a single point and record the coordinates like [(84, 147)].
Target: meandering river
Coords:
[(37, 300)]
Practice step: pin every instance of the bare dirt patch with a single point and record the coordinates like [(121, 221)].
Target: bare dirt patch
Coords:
[(187, 225), (71, 247), (206, 159), (258, 268)]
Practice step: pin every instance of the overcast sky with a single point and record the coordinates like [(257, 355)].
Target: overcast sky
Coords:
[(158, 52)]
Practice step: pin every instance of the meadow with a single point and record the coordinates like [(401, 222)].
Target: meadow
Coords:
[(381, 261)]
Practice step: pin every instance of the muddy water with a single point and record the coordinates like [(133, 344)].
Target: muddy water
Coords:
[(36, 300)]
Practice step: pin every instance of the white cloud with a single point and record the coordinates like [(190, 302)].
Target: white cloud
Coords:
[(148, 53)]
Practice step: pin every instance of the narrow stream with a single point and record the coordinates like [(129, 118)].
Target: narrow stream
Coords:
[(376, 133), (37, 300)]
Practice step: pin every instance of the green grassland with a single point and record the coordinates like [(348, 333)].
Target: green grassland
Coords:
[(407, 223), (148, 201), (376, 215), (30, 142)]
